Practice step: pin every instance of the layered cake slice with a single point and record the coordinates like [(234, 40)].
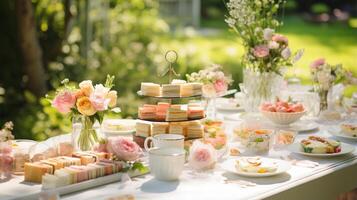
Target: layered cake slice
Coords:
[(320, 145), (143, 129), (194, 130), (349, 129), (170, 90), (150, 89), (147, 112), (195, 112), (159, 128), (176, 128), (176, 113)]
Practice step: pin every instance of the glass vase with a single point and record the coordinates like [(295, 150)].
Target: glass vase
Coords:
[(211, 111), (84, 135), (259, 87)]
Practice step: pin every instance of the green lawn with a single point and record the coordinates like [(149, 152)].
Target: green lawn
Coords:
[(335, 42)]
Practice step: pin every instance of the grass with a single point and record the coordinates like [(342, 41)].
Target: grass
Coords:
[(336, 42)]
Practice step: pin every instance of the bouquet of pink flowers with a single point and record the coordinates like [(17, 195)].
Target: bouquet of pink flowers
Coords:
[(255, 22), (214, 81), (88, 102), (6, 158), (324, 77)]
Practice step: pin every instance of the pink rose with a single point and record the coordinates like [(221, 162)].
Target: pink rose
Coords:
[(64, 101), (99, 103), (202, 156), (220, 86), (280, 39), (124, 149), (261, 51), (5, 148), (317, 63), (6, 161)]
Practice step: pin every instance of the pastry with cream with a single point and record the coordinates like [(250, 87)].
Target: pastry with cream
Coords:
[(320, 145), (349, 129), (255, 165)]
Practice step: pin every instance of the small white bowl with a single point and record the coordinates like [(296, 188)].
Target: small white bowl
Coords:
[(283, 118)]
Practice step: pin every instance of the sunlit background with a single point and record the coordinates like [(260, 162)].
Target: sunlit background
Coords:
[(82, 39)]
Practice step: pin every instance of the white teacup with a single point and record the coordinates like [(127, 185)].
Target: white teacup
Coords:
[(165, 140), (166, 164)]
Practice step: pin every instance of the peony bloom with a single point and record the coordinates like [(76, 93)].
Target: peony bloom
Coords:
[(64, 101), (286, 53), (100, 90), (317, 63), (220, 86), (280, 39), (202, 156), (261, 51), (86, 87), (124, 149), (268, 33), (85, 106), (99, 103), (208, 90), (273, 45), (112, 95)]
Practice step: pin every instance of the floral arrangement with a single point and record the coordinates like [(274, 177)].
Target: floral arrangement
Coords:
[(89, 102), (123, 149), (324, 77), (202, 156), (6, 159), (214, 81), (255, 23)]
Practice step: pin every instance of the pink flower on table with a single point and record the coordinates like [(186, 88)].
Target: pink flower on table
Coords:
[(202, 156), (280, 39), (5, 148), (124, 149), (261, 51), (64, 101), (317, 63), (220, 85)]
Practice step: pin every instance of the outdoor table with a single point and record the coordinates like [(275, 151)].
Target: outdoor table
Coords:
[(333, 176)]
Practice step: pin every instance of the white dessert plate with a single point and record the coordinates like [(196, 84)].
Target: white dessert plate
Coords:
[(283, 166), (299, 126), (336, 131), (127, 124), (345, 149)]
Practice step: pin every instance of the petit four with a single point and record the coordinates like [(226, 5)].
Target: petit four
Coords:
[(255, 165), (176, 128), (176, 113), (195, 112), (194, 129), (147, 112), (143, 128), (170, 90), (150, 89), (349, 129), (283, 137), (320, 145), (159, 128), (34, 171)]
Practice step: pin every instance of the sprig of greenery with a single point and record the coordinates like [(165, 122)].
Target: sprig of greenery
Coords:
[(109, 82)]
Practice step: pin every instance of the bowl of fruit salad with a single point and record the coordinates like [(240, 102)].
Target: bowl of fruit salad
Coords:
[(282, 112)]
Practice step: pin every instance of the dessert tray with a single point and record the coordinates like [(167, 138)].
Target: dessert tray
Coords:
[(29, 191), (168, 97), (282, 167)]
